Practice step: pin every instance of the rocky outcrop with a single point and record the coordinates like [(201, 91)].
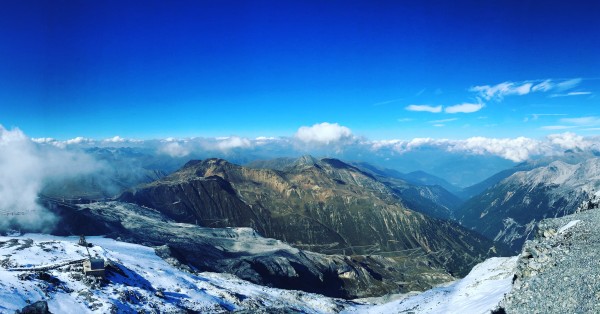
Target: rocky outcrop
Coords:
[(557, 271), (324, 205), (39, 307)]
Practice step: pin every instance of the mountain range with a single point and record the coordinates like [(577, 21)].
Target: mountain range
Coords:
[(509, 210)]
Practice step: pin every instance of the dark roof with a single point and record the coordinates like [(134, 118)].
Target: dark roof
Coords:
[(96, 263)]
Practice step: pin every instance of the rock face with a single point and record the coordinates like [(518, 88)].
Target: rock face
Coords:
[(39, 307), (324, 205), (508, 212), (244, 253), (417, 190), (557, 271)]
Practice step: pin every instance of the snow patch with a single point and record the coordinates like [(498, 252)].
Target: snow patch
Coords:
[(567, 226)]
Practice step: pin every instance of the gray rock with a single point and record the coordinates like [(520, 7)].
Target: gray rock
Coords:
[(558, 272)]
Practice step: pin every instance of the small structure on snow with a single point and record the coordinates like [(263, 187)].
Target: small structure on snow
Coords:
[(92, 266)]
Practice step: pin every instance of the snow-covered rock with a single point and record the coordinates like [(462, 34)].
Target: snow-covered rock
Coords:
[(509, 211), (136, 280)]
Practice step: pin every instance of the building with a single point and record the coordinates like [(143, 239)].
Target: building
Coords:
[(93, 267)]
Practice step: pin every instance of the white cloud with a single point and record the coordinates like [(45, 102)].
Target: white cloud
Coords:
[(115, 139), (568, 84), (426, 108), (543, 86), (78, 140), (443, 120), (498, 91), (175, 149), (25, 166), (569, 140), (229, 143), (44, 140), (323, 133), (439, 125), (571, 94), (516, 149), (265, 140), (464, 108), (578, 93)]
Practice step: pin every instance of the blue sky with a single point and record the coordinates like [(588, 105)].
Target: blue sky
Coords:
[(265, 68)]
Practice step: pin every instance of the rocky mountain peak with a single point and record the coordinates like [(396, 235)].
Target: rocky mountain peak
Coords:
[(305, 161), (508, 211)]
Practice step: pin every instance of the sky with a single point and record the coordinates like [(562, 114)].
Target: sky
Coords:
[(380, 69)]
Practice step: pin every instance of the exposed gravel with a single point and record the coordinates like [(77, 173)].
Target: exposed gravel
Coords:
[(558, 271)]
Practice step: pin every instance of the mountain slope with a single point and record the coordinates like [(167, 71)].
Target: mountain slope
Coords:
[(411, 189), (417, 190), (138, 281), (508, 211), (415, 177), (323, 205), (244, 253), (478, 188), (557, 271)]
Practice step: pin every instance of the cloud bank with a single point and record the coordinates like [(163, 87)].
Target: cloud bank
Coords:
[(515, 149), (334, 139)]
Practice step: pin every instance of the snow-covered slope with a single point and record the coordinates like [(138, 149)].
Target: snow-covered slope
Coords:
[(134, 282), (479, 292), (36, 267)]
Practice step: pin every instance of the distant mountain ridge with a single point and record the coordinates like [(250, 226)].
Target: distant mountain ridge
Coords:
[(509, 210)]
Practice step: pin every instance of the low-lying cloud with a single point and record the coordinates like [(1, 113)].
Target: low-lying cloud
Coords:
[(515, 149), (25, 167), (335, 139)]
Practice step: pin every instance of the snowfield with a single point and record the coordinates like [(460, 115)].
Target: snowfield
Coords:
[(140, 275), (479, 292), (137, 279)]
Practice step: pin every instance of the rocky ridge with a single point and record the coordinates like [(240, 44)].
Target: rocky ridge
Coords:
[(557, 271), (509, 211)]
